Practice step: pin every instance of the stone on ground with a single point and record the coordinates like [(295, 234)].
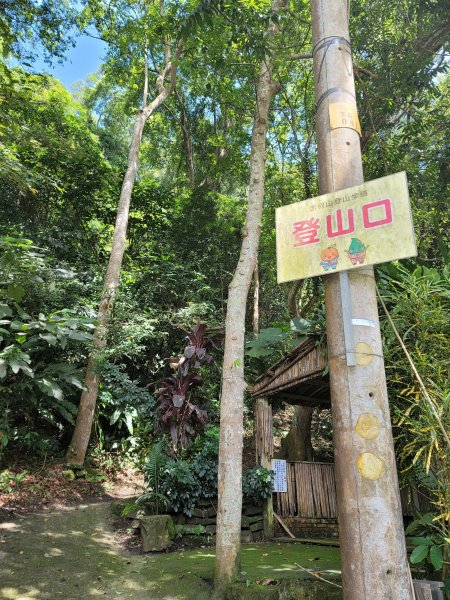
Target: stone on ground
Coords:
[(156, 532)]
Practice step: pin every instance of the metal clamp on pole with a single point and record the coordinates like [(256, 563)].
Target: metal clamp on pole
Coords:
[(346, 305)]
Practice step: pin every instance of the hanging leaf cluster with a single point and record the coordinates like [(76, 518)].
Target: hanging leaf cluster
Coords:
[(181, 417)]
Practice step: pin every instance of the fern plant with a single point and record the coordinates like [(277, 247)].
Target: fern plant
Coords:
[(154, 467)]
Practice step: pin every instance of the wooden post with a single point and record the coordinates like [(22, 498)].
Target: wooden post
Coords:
[(264, 453), (372, 539)]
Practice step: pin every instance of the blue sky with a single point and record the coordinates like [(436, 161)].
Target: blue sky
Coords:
[(80, 61)]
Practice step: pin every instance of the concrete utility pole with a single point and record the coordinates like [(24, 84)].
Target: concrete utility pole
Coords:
[(373, 552)]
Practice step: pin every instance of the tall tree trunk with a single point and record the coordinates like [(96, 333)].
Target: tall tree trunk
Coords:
[(233, 384), (302, 153), (76, 452), (188, 147), (297, 444), (256, 299), (294, 290), (187, 141)]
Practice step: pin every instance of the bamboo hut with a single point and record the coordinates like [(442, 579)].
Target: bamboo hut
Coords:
[(309, 504)]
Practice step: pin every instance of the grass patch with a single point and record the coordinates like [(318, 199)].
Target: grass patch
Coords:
[(266, 570)]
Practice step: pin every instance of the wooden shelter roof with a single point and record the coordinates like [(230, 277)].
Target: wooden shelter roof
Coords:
[(298, 378)]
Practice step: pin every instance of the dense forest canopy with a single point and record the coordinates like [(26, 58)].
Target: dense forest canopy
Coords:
[(63, 161)]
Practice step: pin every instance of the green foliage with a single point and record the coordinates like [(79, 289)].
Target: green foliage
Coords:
[(272, 343), (125, 411), (186, 482), (38, 352), (9, 482), (265, 342), (181, 487), (419, 302), (30, 26), (431, 543), (204, 463), (47, 149), (257, 484), (155, 465)]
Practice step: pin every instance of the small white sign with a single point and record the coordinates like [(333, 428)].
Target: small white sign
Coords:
[(363, 322), (279, 478)]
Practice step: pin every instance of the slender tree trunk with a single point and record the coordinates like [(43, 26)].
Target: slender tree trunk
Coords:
[(76, 452), (294, 290), (145, 92), (187, 142), (297, 444), (233, 384), (302, 153), (256, 299)]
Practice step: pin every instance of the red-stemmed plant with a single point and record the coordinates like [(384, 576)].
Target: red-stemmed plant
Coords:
[(177, 413)]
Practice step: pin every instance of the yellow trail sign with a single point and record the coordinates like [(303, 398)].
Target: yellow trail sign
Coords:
[(362, 225)]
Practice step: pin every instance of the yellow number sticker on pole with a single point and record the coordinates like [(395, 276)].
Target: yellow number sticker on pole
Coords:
[(344, 115)]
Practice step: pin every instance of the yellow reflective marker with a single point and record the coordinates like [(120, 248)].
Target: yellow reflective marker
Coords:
[(368, 426), (370, 466)]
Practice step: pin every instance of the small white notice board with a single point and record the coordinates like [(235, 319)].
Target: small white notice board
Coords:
[(279, 478)]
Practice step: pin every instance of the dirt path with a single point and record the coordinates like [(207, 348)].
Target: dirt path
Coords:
[(72, 554)]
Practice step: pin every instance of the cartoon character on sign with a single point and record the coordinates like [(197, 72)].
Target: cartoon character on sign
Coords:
[(356, 252), (330, 257)]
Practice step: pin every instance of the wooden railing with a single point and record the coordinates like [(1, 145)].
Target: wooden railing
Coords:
[(311, 492)]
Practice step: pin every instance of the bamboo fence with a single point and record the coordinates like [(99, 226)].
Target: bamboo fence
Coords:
[(311, 493)]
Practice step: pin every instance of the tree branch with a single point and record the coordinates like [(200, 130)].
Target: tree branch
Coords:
[(145, 92), (170, 66), (435, 40), (359, 69), (187, 139), (304, 56), (294, 290)]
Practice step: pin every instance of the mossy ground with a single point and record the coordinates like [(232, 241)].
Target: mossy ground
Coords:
[(72, 554)]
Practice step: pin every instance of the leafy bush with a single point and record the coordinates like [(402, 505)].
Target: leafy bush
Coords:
[(181, 487), (430, 543), (205, 462), (419, 303), (38, 370), (39, 353), (257, 484), (418, 299), (125, 411), (10, 482), (272, 343), (187, 482), (205, 471)]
